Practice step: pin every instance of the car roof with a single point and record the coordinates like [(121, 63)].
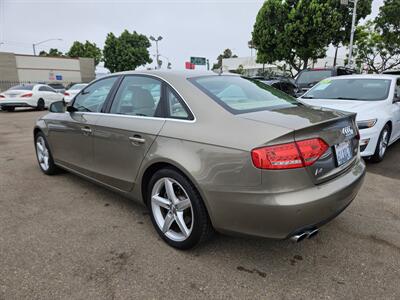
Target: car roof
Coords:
[(365, 76), (174, 73)]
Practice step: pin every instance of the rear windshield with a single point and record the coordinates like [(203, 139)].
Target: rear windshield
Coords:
[(310, 76), (350, 89), (24, 87), (240, 95), (77, 86)]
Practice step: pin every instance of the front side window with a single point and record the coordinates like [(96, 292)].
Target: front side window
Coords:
[(138, 96), (240, 95), (92, 98), (350, 89)]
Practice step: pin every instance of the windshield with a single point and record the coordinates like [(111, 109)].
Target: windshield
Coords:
[(239, 95), (24, 87), (310, 76), (350, 89), (77, 86)]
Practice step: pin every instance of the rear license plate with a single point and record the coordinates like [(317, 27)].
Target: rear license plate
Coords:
[(343, 152)]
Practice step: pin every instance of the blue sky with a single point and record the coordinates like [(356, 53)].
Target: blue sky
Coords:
[(190, 28)]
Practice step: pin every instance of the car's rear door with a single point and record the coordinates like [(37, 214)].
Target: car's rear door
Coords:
[(71, 133), (123, 136)]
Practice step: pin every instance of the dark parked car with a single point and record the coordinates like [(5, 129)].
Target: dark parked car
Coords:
[(309, 77), (284, 84)]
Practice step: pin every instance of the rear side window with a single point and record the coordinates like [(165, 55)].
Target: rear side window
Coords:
[(176, 109), (24, 87), (137, 96), (313, 76), (240, 95)]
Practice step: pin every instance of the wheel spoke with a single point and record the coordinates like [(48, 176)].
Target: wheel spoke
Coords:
[(160, 201), (183, 204), (40, 147), (169, 188), (169, 218), (181, 224)]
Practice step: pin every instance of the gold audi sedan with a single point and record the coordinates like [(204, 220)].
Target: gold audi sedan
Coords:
[(207, 152)]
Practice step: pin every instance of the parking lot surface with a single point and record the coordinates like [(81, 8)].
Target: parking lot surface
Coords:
[(64, 238)]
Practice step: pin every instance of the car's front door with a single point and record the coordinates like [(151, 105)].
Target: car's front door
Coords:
[(396, 111), (71, 133), (124, 135)]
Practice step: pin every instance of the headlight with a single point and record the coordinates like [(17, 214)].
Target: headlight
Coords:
[(366, 124)]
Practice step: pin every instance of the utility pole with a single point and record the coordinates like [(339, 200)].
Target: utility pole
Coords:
[(353, 29), (157, 54), (42, 42)]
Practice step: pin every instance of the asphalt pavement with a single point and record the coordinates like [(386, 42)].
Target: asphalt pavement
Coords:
[(64, 238)]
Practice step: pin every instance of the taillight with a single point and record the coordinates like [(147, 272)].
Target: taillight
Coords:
[(289, 156), (66, 94), (27, 95)]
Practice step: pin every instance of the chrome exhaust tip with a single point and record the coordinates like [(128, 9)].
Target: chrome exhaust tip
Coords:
[(297, 238), (312, 233)]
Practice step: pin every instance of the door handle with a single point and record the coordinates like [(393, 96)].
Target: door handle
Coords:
[(137, 139), (86, 131)]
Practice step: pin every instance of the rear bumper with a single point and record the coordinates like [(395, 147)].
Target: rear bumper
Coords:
[(16, 103), (280, 215)]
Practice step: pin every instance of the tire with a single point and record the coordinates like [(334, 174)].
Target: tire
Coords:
[(40, 105), (187, 209), (43, 155), (381, 146), (8, 108)]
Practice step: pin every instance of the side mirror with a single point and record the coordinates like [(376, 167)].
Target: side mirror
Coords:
[(396, 98), (57, 107)]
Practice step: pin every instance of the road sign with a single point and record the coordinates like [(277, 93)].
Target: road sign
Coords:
[(200, 61), (189, 65)]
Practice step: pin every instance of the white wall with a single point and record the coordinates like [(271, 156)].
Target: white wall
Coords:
[(46, 69)]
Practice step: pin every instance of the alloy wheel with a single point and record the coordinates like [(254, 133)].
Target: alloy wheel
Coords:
[(172, 209), (383, 143), (43, 154)]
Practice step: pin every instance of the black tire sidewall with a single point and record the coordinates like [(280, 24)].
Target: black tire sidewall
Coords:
[(40, 105), (199, 211), (376, 157)]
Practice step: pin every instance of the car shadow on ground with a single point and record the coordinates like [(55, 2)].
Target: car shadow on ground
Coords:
[(390, 166), (18, 110)]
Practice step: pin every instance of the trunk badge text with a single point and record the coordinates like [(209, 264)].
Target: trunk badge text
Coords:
[(347, 131)]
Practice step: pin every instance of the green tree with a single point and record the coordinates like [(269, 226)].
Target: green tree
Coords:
[(341, 36), (296, 31), (226, 54), (53, 52), (126, 52), (374, 49), (87, 49), (388, 22)]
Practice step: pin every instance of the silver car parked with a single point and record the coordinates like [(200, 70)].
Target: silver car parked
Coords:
[(207, 152)]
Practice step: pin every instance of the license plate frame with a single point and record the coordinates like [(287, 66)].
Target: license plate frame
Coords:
[(344, 152)]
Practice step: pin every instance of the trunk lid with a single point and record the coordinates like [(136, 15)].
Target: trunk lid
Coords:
[(338, 129)]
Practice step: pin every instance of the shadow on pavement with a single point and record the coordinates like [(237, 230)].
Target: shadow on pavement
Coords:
[(390, 166)]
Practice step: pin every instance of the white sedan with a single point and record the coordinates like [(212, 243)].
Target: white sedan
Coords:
[(73, 91), (375, 99), (38, 96)]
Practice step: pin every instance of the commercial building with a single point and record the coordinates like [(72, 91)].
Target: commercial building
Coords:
[(19, 68)]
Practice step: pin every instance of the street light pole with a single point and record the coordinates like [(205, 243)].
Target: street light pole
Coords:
[(353, 29), (42, 42), (157, 54)]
